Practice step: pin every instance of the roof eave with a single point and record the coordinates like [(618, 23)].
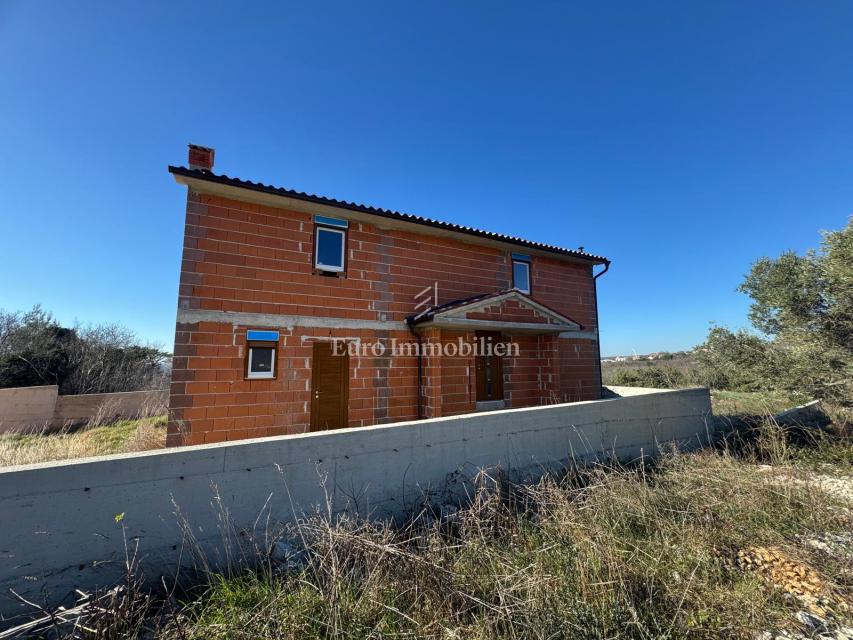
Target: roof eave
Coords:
[(225, 186)]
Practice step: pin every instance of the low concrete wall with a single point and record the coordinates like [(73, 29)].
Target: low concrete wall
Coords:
[(59, 528), (811, 414), (624, 392), (35, 408), (80, 408), (24, 407)]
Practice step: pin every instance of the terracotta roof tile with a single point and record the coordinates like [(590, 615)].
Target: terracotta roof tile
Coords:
[(386, 213)]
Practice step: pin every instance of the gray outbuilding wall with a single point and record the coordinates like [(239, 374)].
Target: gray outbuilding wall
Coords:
[(59, 529)]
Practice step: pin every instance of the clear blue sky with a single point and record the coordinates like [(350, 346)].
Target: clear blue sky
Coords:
[(681, 139)]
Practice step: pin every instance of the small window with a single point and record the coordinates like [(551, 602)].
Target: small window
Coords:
[(260, 360), (329, 248), (521, 276)]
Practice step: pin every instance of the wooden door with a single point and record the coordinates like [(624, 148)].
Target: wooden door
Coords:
[(489, 369), (329, 388)]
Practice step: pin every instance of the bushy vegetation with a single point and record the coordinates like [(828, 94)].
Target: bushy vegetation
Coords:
[(753, 405), (804, 307), (36, 350), (654, 376), (802, 312)]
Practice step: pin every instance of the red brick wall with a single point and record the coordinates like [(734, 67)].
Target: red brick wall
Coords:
[(211, 401), (577, 366), (240, 256), (458, 389), (245, 257), (511, 311)]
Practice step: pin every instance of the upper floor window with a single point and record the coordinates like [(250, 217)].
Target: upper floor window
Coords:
[(330, 243), (521, 272)]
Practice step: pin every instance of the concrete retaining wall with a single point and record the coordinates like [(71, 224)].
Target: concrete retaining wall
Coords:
[(810, 414), (59, 528), (23, 407), (624, 392), (35, 408), (75, 409)]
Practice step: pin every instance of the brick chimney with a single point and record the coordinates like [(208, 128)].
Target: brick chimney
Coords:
[(201, 157)]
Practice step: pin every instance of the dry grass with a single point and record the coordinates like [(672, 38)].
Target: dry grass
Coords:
[(600, 553), (124, 436), (752, 403)]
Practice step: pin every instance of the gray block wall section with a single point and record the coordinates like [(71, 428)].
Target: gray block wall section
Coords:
[(26, 409), (59, 529)]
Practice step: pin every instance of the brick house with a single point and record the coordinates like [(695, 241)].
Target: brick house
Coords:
[(289, 306)]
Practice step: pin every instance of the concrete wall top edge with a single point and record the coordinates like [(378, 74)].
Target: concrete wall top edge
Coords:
[(327, 434), (640, 391), (38, 386), (184, 462)]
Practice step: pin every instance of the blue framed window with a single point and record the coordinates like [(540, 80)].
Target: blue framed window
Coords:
[(261, 347), (329, 248), (521, 273)]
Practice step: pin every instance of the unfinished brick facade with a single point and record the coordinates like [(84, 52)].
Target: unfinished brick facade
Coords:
[(248, 264)]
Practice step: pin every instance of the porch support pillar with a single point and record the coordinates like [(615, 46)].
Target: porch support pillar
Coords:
[(549, 370), (432, 373)]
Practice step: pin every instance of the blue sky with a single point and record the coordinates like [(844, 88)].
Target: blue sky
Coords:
[(681, 139)]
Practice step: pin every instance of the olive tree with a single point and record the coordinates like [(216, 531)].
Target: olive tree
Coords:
[(802, 308)]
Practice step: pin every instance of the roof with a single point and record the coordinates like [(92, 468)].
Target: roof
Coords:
[(209, 176), (496, 296), (447, 306)]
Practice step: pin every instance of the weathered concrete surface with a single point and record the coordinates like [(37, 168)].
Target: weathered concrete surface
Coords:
[(23, 407), (624, 392), (129, 404), (810, 414), (37, 408), (59, 529)]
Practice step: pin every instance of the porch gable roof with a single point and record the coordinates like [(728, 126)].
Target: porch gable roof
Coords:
[(508, 310)]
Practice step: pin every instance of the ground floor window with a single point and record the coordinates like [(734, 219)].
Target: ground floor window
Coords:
[(261, 354)]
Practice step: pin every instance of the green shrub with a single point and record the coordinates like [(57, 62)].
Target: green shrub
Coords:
[(657, 377), (802, 307)]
